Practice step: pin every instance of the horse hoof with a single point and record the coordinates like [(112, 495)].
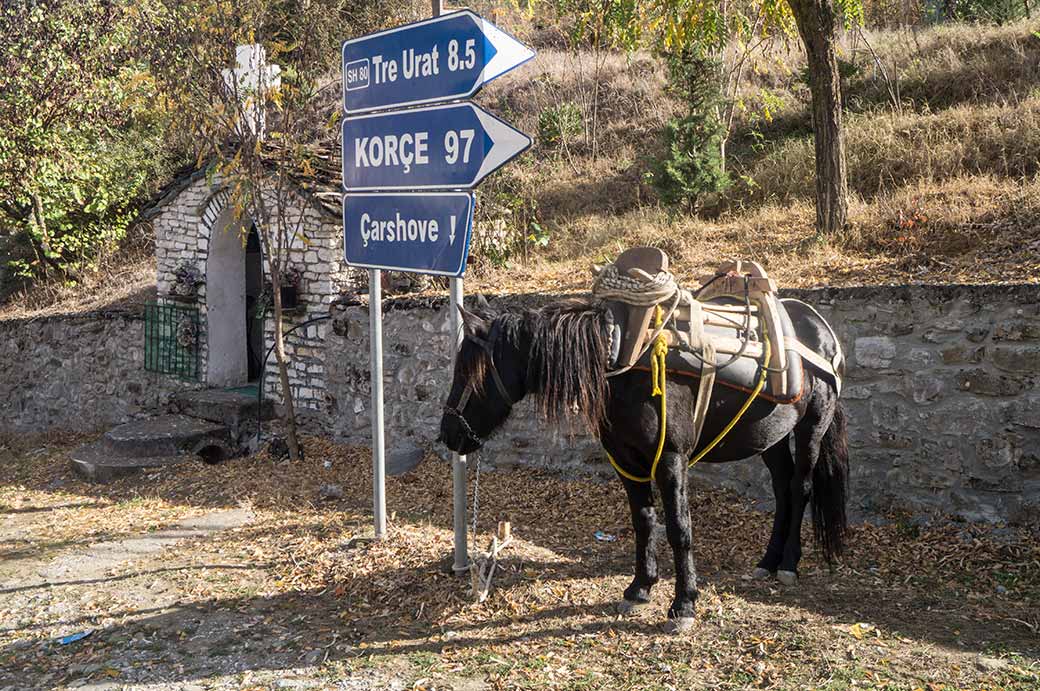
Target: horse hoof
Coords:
[(760, 574), (787, 577), (678, 625), (630, 606)]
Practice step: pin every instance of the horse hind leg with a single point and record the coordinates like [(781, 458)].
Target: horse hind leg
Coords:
[(644, 524), (781, 467), (808, 439)]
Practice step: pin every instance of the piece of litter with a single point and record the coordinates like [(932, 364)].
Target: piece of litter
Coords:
[(604, 537), (73, 637)]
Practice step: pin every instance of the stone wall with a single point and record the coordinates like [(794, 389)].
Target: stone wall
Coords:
[(941, 390), (77, 373)]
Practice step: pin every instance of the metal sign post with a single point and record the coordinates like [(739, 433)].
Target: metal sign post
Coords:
[(458, 462), (390, 152), (375, 323), (460, 563)]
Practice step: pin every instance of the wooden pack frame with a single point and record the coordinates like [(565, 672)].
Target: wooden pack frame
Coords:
[(636, 262), (728, 281)]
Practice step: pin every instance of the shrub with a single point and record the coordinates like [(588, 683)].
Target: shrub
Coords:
[(987, 11), (560, 124), (692, 164)]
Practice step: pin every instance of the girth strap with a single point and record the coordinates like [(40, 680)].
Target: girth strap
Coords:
[(820, 362), (704, 390)]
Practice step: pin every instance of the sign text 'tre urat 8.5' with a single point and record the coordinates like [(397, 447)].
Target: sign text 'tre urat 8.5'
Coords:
[(440, 59)]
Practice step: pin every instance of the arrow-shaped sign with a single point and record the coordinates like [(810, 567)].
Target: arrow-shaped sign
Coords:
[(453, 146), (441, 59), (408, 232)]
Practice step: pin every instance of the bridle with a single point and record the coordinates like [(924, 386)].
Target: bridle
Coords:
[(488, 346)]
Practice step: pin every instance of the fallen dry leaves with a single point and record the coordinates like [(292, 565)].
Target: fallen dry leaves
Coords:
[(911, 605)]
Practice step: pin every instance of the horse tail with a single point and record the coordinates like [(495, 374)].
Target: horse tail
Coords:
[(830, 478)]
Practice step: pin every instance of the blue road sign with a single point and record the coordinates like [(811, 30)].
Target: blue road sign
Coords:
[(440, 59), (427, 233), (456, 145)]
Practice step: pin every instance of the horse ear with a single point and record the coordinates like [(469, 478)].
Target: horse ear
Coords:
[(472, 324), (482, 302)]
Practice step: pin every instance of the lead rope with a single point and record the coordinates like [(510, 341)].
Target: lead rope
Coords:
[(476, 499)]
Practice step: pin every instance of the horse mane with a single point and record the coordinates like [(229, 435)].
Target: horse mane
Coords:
[(567, 362)]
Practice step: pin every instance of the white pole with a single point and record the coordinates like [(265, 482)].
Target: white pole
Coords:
[(458, 463), (375, 318)]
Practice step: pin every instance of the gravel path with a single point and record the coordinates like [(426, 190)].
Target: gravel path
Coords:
[(142, 632)]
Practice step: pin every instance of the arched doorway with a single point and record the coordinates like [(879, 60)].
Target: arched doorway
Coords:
[(234, 283), (254, 316)]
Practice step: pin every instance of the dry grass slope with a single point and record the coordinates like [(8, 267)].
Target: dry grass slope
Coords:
[(945, 186)]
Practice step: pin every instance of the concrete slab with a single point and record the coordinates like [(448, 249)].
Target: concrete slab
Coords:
[(165, 435), (98, 463)]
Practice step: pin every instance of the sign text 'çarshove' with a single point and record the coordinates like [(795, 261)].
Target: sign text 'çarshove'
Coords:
[(426, 232), (440, 59)]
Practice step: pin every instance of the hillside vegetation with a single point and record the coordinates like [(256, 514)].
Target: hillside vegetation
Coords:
[(943, 146), (943, 158)]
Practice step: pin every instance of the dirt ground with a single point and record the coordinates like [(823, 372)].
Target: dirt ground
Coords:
[(257, 575)]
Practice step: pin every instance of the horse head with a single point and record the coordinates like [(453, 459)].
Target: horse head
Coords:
[(489, 379)]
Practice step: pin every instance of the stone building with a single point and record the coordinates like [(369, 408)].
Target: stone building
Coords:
[(197, 235)]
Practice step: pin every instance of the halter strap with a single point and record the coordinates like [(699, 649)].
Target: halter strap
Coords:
[(488, 346)]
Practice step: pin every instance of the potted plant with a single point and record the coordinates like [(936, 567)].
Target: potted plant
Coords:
[(186, 281), (289, 286)]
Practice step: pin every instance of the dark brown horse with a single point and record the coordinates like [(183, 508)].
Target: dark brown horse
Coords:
[(559, 354)]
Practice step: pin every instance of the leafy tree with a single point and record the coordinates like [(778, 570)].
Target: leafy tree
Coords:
[(817, 22), (255, 133), (79, 131)]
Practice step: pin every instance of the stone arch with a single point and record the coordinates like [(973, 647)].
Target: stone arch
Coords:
[(212, 208)]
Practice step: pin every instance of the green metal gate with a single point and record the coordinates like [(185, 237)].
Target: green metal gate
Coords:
[(171, 339)]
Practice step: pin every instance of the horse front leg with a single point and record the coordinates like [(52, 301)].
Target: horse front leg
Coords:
[(644, 523), (671, 479)]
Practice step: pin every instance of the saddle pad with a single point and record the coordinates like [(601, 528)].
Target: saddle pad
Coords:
[(744, 372)]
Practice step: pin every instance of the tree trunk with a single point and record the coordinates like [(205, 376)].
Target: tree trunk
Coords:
[(39, 238), (817, 21), (283, 370)]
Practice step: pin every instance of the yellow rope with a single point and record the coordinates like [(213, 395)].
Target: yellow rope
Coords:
[(624, 473), (657, 361), (657, 377), (743, 409)]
